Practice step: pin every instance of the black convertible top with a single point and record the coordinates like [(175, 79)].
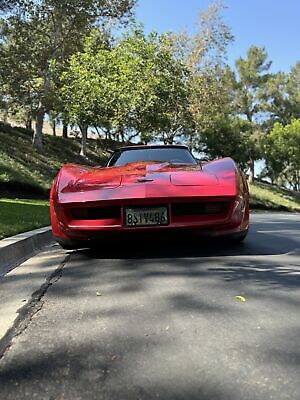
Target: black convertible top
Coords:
[(152, 146)]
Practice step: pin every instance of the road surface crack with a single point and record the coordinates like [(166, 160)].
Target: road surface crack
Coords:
[(31, 308)]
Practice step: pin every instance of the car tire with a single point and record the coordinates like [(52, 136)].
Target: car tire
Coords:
[(69, 244), (238, 237)]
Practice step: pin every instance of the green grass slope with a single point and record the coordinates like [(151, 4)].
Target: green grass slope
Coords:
[(25, 172), (268, 197)]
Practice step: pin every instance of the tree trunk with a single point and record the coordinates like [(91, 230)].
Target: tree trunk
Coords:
[(65, 130), (120, 133), (54, 127), (83, 129), (37, 140), (170, 138), (28, 123), (251, 171)]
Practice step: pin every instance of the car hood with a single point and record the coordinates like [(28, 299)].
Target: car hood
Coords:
[(84, 178)]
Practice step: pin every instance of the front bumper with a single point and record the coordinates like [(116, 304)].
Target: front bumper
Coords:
[(231, 219)]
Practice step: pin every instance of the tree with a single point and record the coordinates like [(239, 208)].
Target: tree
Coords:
[(208, 45), (210, 81), (250, 85), (230, 137), (210, 101), (85, 86), (136, 87), (47, 30), (252, 78), (282, 154), (293, 90), (275, 100), (158, 94), (282, 98)]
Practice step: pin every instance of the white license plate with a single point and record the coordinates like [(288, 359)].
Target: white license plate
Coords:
[(147, 216)]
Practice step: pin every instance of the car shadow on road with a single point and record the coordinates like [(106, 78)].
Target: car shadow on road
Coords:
[(258, 242), (269, 234)]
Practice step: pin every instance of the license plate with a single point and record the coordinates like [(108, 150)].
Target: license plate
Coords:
[(148, 216)]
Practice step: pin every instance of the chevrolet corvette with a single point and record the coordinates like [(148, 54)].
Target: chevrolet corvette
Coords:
[(154, 189)]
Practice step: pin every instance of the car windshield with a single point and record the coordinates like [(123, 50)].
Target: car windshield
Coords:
[(174, 155)]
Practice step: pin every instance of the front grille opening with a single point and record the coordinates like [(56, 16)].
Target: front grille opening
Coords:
[(180, 209), (90, 213)]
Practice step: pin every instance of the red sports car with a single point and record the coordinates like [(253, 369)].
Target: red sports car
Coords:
[(149, 190)]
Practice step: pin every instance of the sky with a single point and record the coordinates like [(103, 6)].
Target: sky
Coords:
[(273, 24)]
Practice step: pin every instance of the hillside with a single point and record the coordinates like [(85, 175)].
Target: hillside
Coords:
[(266, 196), (26, 173)]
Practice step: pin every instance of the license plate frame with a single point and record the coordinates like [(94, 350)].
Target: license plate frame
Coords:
[(146, 216)]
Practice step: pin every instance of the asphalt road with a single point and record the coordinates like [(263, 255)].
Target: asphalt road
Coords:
[(163, 321)]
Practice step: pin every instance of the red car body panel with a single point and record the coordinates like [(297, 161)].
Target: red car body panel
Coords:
[(218, 188)]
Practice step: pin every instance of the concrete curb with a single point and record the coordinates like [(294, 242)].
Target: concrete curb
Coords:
[(17, 249)]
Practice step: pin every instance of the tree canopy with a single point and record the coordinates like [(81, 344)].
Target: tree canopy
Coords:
[(135, 86), (41, 32), (282, 153)]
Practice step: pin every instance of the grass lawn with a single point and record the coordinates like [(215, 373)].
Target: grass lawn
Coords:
[(18, 216)]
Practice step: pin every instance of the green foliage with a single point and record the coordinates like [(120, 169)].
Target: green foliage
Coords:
[(210, 100), (282, 98), (136, 85), (210, 81), (229, 138), (293, 91), (249, 95), (40, 32), (252, 77), (275, 100), (282, 154)]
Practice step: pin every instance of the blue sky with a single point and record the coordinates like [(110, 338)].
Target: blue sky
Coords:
[(274, 24)]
